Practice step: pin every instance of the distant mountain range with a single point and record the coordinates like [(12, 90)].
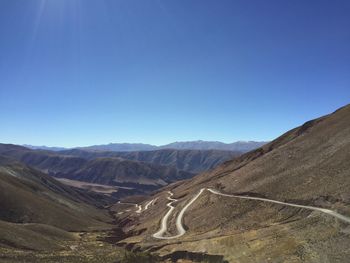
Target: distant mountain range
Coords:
[(239, 146), (193, 161), (143, 171), (288, 199), (43, 147), (102, 168)]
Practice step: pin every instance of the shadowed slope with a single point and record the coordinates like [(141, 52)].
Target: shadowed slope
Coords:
[(193, 161), (108, 170), (116, 171), (29, 196)]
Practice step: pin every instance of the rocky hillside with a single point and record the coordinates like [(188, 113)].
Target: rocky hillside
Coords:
[(193, 161), (43, 221), (29, 196), (121, 172), (140, 176), (308, 165)]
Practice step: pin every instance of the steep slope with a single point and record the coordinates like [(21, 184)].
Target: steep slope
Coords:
[(111, 171), (29, 196), (46, 161), (116, 171), (305, 162), (306, 166), (42, 220), (193, 161), (32, 236)]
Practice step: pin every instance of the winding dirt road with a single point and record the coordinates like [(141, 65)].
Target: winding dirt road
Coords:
[(163, 226), (150, 203), (139, 207), (181, 231)]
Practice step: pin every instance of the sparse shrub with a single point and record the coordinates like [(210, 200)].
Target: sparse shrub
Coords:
[(139, 257)]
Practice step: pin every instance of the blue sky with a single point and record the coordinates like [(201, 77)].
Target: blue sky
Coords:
[(82, 72)]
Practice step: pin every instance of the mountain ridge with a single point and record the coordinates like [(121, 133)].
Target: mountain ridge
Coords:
[(104, 170), (193, 161), (243, 146)]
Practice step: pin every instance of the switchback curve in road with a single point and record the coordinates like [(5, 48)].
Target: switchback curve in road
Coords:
[(181, 231)]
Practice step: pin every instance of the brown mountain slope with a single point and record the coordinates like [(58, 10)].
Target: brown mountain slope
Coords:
[(116, 171), (305, 163), (42, 220), (29, 196), (308, 165), (46, 161), (32, 236), (141, 176), (193, 161)]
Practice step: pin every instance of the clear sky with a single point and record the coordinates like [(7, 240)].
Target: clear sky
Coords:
[(82, 72)]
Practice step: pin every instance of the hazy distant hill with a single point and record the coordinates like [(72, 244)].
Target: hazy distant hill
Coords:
[(193, 161), (104, 170), (117, 171), (121, 147), (240, 146), (43, 147)]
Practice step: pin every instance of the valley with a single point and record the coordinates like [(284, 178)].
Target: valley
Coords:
[(54, 203), (174, 131), (289, 195)]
